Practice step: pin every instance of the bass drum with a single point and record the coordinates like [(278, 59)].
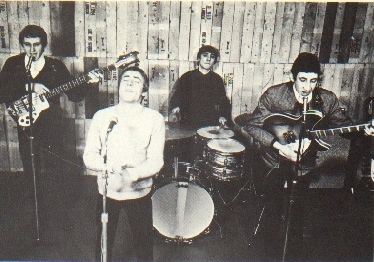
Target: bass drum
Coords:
[(182, 210)]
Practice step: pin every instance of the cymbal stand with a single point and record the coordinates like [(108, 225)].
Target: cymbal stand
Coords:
[(31, 139)]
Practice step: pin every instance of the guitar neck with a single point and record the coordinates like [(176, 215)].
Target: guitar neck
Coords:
[(336, 131), (67, 86)]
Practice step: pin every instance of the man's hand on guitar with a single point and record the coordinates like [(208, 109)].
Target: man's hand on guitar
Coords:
[(95, 76), (369, 130), (289, 151)]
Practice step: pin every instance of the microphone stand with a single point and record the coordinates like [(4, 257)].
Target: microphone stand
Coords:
[(104, 215), (294, 179), (31, 139)]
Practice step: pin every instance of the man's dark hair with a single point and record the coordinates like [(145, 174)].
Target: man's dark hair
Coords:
[(210, 49), (306, 62), (33, 31), (144, 75)]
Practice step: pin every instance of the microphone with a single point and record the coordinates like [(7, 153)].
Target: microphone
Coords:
[(31, 58), (113, 121), (305, 103)]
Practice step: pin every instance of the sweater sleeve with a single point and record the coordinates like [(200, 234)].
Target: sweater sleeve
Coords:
[(92, 153), (155, 152)]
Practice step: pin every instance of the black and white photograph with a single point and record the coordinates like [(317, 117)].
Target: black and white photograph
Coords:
[(186, 131)]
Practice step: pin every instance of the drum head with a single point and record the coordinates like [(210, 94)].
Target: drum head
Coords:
[(182, 209), (226, 145), (212, 132)]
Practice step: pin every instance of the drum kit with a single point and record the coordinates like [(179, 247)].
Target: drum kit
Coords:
[(183, 199)]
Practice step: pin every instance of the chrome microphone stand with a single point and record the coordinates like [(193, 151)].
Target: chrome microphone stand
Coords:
[(31, 139), (294, 178)]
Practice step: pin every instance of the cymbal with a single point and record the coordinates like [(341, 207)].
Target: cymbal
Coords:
[(176, 131)]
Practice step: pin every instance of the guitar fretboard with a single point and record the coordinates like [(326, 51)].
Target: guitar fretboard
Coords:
[(65, 87), (336, 131)]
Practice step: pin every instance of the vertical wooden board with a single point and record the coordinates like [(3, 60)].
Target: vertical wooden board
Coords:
[(67, 106), (184, 34), (56, 23), (275, 57), (173, 74), (268, 34), (13, 27), (4, 30), (318, 28), (328, 76), (79, 21), (112, 82), (338, 79), (92, 98), (79, 136), (184, 66), (101, 29), (34, 8), (286, 35), (258, 32), (175, 14), (90, 29), (246, 96), (44, 13), (237, 90), (153, 22), (364, 90), (237, 32), (206, 23), (335, 47), (110, 28), (268, 75), (278, 74), (257, 88), (159, 85), (143, 33), (287, 72), (308, 26), (163, 27), (354, 55), (248, 28), (121, 27), (15, 162), (195, 30), (217, 24), (80, 112), (368, 36), (23, 14), (228, 78), (296, 32), (226, 34), (132, 26), (4, 154), (103, 85), (347, 79)]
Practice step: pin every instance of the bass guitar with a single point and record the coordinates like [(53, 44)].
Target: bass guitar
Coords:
[(286, 128), (20, 109)]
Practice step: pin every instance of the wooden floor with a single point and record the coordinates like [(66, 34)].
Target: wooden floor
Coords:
[(341, 227)]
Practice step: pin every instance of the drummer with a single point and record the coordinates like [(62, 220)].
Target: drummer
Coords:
[(198, 98)]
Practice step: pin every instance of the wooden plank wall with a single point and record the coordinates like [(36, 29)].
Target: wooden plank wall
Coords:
[(258, 42)]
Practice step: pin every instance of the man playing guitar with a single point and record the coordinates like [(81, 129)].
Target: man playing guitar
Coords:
[(284, 156), (45, 74)]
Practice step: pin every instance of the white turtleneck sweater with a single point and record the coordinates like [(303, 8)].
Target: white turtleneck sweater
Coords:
[(136, 141)]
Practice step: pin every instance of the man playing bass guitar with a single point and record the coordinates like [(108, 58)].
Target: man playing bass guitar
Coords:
[(283, 111)]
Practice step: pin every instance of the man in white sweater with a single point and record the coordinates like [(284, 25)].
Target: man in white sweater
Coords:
[(134, 154)]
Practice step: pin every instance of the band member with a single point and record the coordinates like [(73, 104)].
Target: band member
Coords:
[(134, 148), (199, 99), (279, 155), (47, 73)]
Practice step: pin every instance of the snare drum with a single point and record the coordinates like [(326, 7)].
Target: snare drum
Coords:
[(205, 134), (225, 158), (182, 210)]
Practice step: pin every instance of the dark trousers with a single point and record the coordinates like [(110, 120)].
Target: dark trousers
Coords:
[(276, 201), (139, 213)]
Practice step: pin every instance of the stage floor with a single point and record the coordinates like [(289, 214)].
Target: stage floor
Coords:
[(341, 228)]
